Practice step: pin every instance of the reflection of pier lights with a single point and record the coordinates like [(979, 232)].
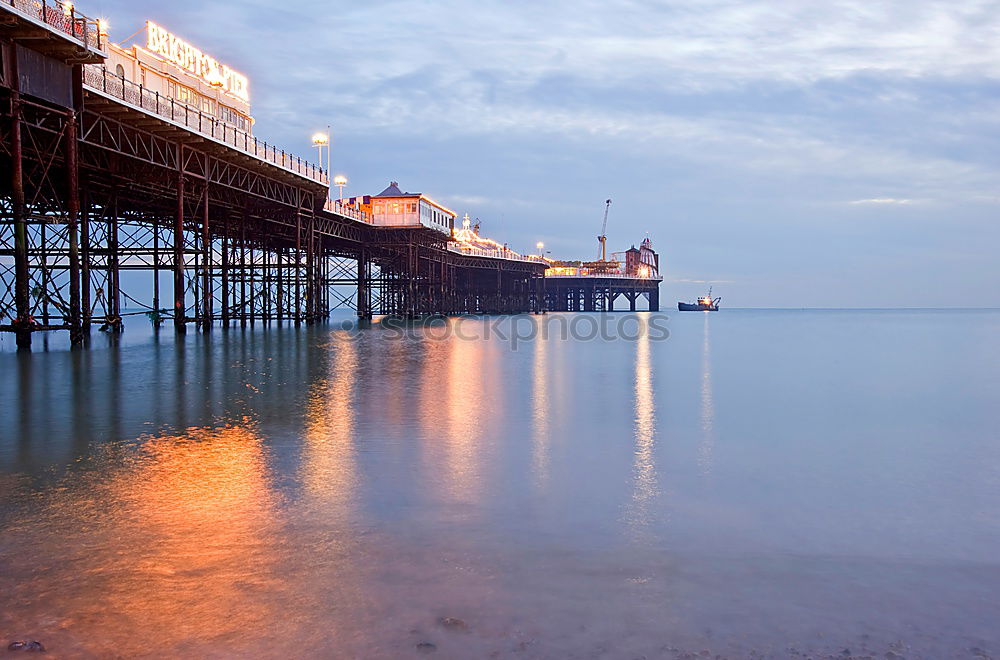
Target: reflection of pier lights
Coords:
[(200, 500), (540, 411), (644, 477), (645, 413), (464, 452), (329, 468)]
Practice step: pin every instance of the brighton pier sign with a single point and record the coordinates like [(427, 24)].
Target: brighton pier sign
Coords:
[(179, 52)]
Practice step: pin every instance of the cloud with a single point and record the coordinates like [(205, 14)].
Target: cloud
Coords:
[(469, 200), (882, 200)]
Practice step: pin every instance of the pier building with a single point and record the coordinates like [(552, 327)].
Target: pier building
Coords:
[(466, 240), (642, 261), (173, 70), (394, 208)]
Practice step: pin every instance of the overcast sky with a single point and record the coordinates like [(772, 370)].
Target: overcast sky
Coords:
[(794, 153)]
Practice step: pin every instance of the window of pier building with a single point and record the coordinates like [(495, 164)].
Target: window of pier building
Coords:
[(207, 104), (182, 93), (231, 116), (186, 95)]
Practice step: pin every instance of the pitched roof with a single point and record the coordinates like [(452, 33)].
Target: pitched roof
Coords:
[(394, 191)]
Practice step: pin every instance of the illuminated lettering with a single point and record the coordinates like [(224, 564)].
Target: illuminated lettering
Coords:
[(179, 52)]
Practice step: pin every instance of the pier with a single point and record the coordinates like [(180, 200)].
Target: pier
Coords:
[(596, 286), (106, 176)]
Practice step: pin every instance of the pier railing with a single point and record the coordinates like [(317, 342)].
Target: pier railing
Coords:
[(583, 272), (61, 15), (336, 206), (500, 253), (100, 79)]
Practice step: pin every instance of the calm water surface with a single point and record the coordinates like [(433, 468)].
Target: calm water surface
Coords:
[(762, 482)]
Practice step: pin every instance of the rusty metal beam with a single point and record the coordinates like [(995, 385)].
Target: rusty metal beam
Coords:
[(179, 256)]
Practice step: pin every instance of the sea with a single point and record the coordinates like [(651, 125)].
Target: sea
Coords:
[(735, 484)]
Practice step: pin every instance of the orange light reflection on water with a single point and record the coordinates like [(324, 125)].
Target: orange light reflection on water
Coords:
[(329, 455), (466, 417), (181, 538)]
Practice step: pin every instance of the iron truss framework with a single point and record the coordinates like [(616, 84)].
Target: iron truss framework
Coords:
[(91, 201)]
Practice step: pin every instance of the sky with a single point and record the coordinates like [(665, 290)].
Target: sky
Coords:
[(791, 154)]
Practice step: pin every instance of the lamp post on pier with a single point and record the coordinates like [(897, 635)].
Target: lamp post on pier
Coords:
[(340, 181), (319, 141)]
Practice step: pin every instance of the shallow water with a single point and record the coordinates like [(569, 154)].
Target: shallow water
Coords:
[(764, 483)]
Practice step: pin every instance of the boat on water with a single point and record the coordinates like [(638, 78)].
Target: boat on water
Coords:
[(703, 304)]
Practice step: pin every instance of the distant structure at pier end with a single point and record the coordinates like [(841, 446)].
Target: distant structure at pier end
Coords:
[(581, 286)]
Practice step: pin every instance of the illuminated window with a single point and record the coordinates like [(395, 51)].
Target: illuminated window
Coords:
[(191, 97), (231, 116), (181, 93)]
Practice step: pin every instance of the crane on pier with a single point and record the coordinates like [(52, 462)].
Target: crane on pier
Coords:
[(602, 239), (602, 265)]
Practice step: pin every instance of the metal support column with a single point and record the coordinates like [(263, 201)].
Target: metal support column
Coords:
[(364, 285), (206, 265), (113, 320), (310, 280), (266, 277), (279, 268), (298, 267), (23, 322), (179, 257), (156, 273), (243, 269), (225, 277), (73, 212), (85, 262)]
